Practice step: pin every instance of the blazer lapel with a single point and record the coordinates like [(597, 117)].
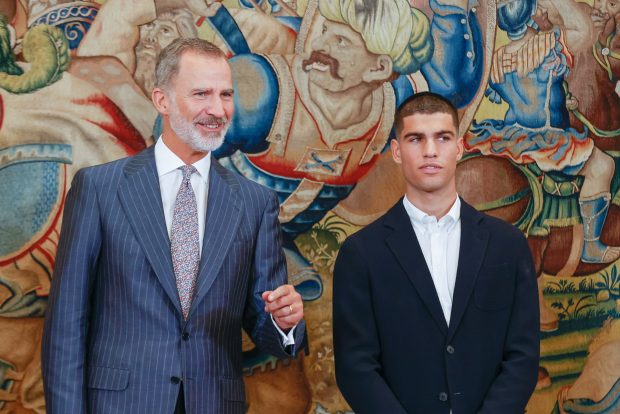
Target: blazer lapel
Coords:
[(223, 217), (473, 247), (140, 197), (405, 246)]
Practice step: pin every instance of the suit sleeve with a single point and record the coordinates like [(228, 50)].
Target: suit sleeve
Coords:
[(357, 350), (66, 318), (269, 272), (512, 388)]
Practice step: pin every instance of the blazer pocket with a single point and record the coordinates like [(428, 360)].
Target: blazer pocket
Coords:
[(105, 378), (494, 288), (232, 389)]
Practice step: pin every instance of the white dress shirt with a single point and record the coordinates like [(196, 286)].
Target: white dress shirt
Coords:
[(440, 243), (170, 178)]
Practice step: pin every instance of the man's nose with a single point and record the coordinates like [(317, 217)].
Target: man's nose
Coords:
[(216, 107), (320, 44), (430, 148), (149, 36)]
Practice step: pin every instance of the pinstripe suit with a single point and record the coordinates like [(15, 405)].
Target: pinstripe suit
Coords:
[(115, 340)]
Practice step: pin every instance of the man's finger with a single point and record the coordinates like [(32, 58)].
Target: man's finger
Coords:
[(279, 292)]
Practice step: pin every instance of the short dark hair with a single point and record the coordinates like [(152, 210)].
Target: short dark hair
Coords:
[(169, 58), (424, 103)]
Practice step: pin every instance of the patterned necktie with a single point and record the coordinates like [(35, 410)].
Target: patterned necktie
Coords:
[(184, 241)]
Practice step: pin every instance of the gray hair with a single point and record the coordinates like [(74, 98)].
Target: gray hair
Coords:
[(169, 58)]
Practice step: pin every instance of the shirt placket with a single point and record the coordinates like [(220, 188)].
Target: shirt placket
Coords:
[(438, 249)]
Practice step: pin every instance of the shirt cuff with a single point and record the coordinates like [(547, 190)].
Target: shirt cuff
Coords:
[(286, 339)]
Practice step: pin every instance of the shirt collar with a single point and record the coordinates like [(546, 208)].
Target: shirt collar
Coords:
[(418, 217), (167, 161)]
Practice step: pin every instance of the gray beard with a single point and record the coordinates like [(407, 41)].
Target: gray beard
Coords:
[(189, 134)]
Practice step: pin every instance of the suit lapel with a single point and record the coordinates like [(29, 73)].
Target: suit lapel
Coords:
[(404, 244), (472, 251), (223, 217), (140, 197)]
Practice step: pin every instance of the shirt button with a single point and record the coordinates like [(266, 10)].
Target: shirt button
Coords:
[(450, 349), (463, 21), (469, 55), (473, 9), (185, 336), (175, 380), (443, 396), (466, 36)]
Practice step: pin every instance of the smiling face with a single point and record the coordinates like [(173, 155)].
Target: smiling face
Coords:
[(198, 104), (340, 60), (427, 149)]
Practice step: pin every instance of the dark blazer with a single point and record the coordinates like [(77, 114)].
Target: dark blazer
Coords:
[(394, 351), (115, 340)]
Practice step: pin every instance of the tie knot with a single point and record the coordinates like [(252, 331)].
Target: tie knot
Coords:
[(187, 171)]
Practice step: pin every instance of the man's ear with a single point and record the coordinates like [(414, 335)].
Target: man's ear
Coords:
[(461, 148), (381, 72), (161, 100), (395, 149)]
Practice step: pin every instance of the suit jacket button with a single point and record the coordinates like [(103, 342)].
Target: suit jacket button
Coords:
[(185, 336), (443, 396), (450, 349), (175, 380)]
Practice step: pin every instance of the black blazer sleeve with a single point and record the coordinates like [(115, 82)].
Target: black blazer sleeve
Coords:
[(356, 342), (512, 388)]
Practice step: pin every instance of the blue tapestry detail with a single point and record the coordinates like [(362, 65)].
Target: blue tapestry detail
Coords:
[(30, 188), (74, 19)]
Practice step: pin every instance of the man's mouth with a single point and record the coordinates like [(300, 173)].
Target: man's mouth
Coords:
[(321, 62), (597, 17), (431, 168), (321, 67), (146, 49), (211, 124)]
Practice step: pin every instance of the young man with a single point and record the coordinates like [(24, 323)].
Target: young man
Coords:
[(163, 258), (435, 306)]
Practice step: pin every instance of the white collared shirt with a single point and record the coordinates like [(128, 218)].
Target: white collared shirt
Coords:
[(170, 178), (440, 243)]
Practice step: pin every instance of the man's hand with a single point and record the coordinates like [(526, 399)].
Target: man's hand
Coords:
[(285, 305)]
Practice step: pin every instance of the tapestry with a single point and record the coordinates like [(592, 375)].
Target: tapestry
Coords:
[(536, 88)]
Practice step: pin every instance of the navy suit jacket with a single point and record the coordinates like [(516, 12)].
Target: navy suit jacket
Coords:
[(395, 352), (115, 340)]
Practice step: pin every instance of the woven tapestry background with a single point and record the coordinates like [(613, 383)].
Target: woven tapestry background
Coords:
[(536, 87)]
